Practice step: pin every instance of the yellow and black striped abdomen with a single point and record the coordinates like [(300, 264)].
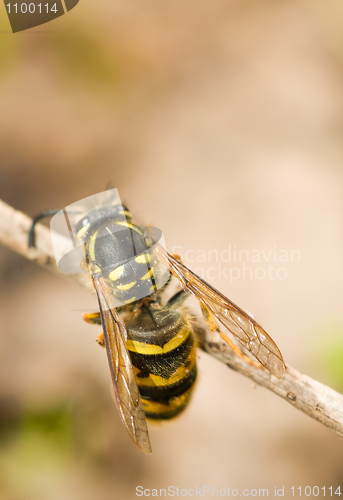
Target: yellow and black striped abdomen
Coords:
[(163, 352)]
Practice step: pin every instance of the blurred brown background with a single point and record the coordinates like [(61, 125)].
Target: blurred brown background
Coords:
[(221, 122)]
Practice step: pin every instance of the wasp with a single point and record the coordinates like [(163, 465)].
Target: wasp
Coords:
[(151, 345)]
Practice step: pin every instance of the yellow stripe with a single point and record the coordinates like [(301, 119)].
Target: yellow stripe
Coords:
[(129, 300), (143, 259), (82, 231), (131, 226), (91, 247), (116, 273), (181, 372), (142, 348), (148, 275), (126, 212), (172, 406), (127, 286)]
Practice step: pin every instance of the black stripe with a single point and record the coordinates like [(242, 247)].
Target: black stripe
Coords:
[(164, 364), (155, 327), (163, 394), (168, 414)]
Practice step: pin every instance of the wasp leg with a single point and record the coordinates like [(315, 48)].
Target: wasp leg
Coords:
[(213, 326), (177, 257), (93, 318), (163, 287), (32, 235), (178, 298), (47, 213), (100, 339)]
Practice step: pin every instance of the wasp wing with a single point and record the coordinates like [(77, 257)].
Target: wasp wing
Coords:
[(242, 326), (125, 387)]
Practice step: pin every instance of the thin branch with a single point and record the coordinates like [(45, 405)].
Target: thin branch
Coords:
[(311, 397), (14, 229), (308, 395)]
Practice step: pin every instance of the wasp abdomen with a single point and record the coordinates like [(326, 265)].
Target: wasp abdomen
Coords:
[(163, 352)]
